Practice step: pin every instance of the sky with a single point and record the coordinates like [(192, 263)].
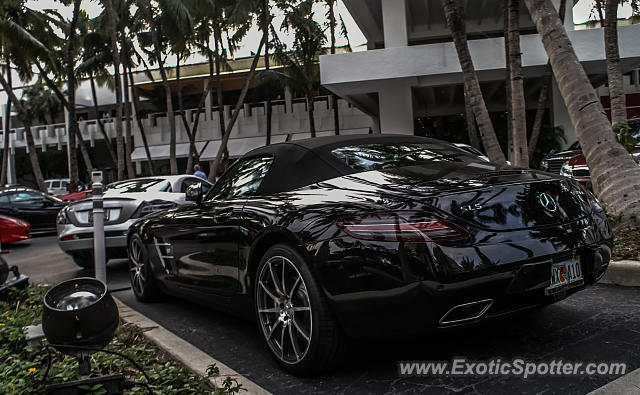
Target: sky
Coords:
[(581, 13)]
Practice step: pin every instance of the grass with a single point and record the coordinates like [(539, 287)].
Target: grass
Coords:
[(626, 244), (23, 367)]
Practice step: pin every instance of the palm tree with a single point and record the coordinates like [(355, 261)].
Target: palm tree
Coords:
[(331, 26), (113, 35), (455, 19), (5, 135), (614, 68), (20, 47), (614, 173), (543, 95), (301, 62), (518, 105)]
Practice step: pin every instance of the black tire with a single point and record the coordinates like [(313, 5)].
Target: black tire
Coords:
[(312, 341), (83, 259), (141, 277)]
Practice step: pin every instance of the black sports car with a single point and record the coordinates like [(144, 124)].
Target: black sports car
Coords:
[(38, 209), (370, 235)]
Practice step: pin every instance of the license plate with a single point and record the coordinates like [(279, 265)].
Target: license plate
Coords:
[(106, 216), (564, 274)]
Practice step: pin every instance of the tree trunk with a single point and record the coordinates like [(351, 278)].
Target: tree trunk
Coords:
[(173, 161), (33, 154), (185, 122), (614, 69), (213, 165), (128, 140), (96, 111), (614, 173), (143, 135), (310, 108), (333, 98), (113, 33), (509, 95), (236, 110), (543, 95), (455, 20), (266, 22), (518, 105), (71, 92), (472, 131), (6, 135), (540, 108)]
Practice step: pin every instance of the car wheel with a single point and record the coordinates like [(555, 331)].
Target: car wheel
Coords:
[(295, 321), (140, 273), (83, 259)]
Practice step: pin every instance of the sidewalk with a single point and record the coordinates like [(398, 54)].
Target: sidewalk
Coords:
[(626, 273)]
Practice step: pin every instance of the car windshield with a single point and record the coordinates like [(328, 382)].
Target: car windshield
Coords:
[(142, 185), (377, 156)]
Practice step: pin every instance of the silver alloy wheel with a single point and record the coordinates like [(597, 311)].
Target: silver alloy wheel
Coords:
[(136, 266), (284, 309)]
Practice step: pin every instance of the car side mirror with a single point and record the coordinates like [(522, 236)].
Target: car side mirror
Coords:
[(194, 193)]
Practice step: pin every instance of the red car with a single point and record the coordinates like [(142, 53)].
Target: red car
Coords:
[(13, 229), (577, 168), (81, 195)]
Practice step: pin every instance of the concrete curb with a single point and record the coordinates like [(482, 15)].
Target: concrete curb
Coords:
[(190, 356), (626, 273), (626, 385)]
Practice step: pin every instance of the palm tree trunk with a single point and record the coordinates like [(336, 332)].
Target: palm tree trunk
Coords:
[(540, 108), (185, 122), (128, 141), (33, 154), (236, 110), (213, 165), (71, 92), (509, 95), (310, 108), (472, 131), (136, 109), (96, 111), (266, 22), (614, 173), (456, 23), (6, 133), (113, 33), (173, 161), (614, 70), (333, 98), (543, 95), (518, 105)]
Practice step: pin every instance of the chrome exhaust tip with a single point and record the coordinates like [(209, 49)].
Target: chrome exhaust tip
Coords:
[(466, 312)]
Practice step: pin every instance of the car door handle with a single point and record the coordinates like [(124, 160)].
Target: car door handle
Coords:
[(222, 215)]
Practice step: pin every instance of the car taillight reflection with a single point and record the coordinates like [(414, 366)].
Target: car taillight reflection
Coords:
[(401, 227)]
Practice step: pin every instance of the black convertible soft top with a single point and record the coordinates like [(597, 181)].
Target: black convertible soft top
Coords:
[(304, 162)]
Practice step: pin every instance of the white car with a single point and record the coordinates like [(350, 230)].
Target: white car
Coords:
[(58, 186), (124, 203)]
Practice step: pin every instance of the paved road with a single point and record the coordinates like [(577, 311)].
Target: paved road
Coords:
[(601, 323)]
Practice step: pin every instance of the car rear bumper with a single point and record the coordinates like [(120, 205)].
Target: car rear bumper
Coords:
[(390, 290), (74, 239)]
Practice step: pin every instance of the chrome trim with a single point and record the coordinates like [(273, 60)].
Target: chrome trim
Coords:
[(161, 255), (489, 303)]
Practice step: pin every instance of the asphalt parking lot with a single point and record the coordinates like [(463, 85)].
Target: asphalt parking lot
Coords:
[(599, 324)]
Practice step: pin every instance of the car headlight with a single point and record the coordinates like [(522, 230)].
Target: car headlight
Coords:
[(152, 206), (62, 218), (566, 170)]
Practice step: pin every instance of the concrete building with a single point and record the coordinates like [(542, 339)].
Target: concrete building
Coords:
[(410, 76)]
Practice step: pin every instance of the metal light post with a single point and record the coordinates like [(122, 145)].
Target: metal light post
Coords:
[(98, 227)]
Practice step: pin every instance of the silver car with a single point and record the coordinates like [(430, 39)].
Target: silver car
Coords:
[(124, 203)]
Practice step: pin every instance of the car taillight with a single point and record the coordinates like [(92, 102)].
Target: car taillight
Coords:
[(401, 226)]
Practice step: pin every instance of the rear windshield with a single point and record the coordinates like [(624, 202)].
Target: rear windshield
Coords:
[(377, 156), (138, 185)]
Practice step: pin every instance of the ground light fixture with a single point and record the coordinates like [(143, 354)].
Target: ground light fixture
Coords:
[(80, 318)]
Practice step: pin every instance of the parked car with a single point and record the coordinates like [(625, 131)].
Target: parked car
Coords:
[(13, 230), (38, 209), (58, 186), (341, 237), (124, 203), (554, 160), (576, 167), (80, 195)]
